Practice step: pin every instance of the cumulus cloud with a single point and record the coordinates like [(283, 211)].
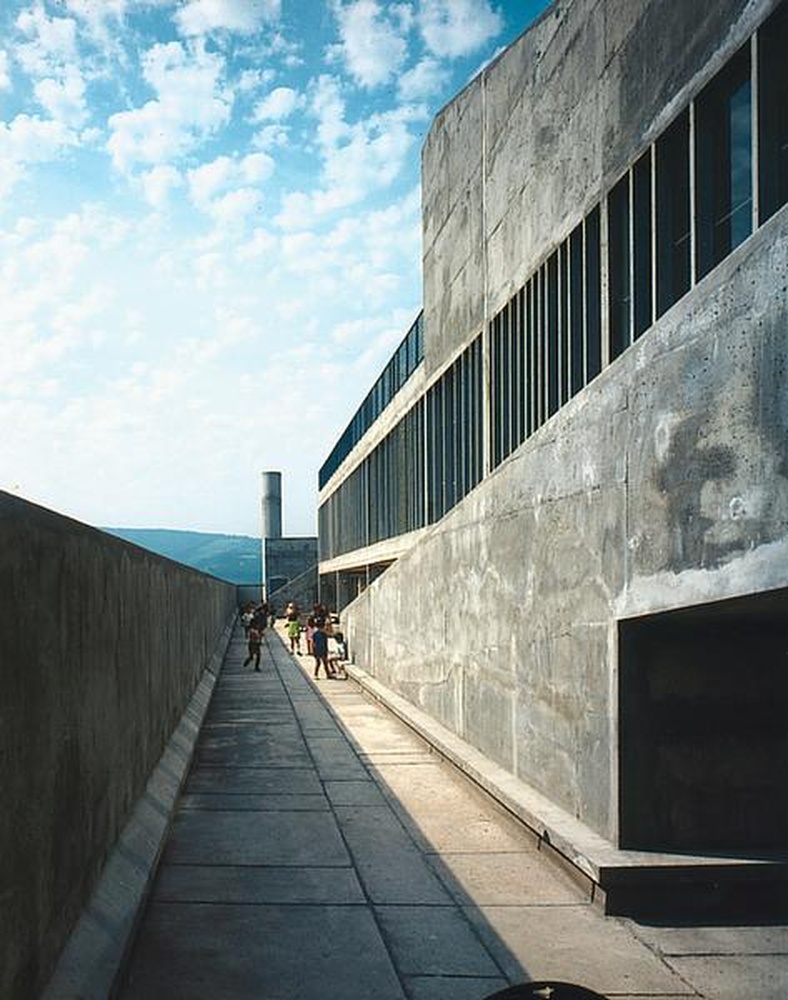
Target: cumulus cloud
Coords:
[(271, 137), (424, 80), (236, 209), (51, 44), (328, 106), (191, 104), (27, 140), (279, 104), (49, 53), (371, 158), (64, 99), (455, 28), (225, 190), (358, 159), (159, 183), (199, 17), (372, 43), (98, 18)]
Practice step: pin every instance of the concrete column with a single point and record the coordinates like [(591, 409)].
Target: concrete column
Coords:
[(272, 505)]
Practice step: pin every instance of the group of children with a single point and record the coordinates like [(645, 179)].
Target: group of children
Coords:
[(317, 632), (319, 628)]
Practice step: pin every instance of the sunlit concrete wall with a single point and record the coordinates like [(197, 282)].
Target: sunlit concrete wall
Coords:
[(517, 159), (101, 647), (502, 622), (661, 485)]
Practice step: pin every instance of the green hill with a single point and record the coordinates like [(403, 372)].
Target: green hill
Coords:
[(236, 558)]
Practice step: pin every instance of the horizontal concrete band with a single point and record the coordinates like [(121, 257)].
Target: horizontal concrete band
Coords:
[(92, 961), (622, 882)]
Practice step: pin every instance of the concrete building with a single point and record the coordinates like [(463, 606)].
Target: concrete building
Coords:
[(289, 564), (558, 523)]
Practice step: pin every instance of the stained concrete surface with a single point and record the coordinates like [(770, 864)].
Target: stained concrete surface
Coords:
[(358, 864)]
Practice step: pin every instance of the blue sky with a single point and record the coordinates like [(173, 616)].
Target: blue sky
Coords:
[(210, 239)]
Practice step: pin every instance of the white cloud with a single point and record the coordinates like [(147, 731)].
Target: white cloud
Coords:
[(219, 188), (455, 28), (279, 104), (158, 183), (271, 137), (29, 140), (236, 209), (371, 156), (198, 17), (295, 212), (99, 18), (51, 57), (64, 99), (256, 168), (52, 44), (207, 180), (424, 80), (5, 77), (371, 43), (191, 104), (328, 107), (261, 245), (252, 79), (357, 159)]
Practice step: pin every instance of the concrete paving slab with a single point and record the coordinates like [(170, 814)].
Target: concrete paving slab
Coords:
[(390, 866), (748, 940), (249, 838), (255, 780), (434, 940), (335, 758), (734, 977), (574, 944), (375, 731), (383, 757), (249, 702), (255, 803), (354, 792), (314, 719), (221, 952), (278, 745), (452, 987), (447, 814), (507, 879), (236, 884)]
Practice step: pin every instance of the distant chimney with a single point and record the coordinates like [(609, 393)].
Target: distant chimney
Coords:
[(272, 505)]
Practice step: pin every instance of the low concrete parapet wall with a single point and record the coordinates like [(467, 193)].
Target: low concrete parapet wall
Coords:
[(102, 646)]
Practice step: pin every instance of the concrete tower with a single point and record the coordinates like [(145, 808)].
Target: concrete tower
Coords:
[(287, 562), (272, 505)]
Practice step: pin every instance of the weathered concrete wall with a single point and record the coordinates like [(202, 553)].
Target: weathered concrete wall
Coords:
[(522, 154), (302, 591), (101, 646), (663, 484), (453, 228), (284, 559)]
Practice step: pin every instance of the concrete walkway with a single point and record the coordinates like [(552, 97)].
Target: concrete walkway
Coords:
[(321, 851)]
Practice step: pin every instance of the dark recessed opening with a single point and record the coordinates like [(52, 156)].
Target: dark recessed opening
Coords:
[(703, 745)]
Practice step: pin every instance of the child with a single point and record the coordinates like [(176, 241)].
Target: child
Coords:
[(294, 633), (254, 639), (310, 631), (336, 660), (320, 651)]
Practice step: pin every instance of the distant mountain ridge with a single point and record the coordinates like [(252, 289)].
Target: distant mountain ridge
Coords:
[(236, 558)]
